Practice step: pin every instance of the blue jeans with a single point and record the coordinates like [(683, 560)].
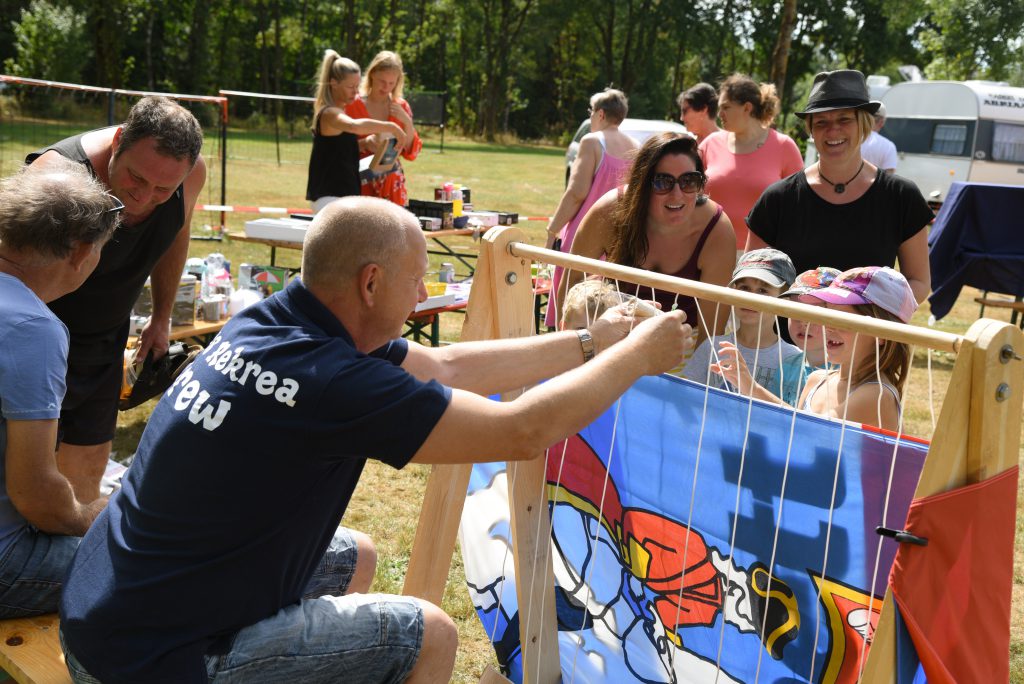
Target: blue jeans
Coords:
[(32, 570), (325, 637)]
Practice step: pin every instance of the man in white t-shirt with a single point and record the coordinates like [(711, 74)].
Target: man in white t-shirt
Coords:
[(878, 149)]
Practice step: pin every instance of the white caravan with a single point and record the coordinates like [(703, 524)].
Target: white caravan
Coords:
[(949, 131)]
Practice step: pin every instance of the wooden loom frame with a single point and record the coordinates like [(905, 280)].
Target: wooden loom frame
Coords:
[(977, 433)]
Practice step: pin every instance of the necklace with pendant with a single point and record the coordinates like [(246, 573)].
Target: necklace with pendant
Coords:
[(840, 188)]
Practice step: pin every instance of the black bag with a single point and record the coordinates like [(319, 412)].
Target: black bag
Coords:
[(156, 376)]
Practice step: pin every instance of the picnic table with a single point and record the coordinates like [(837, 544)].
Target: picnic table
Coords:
[(437, 237), (427, 324), (201, 332)]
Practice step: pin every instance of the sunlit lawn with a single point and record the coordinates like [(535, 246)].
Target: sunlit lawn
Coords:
[(527, 180)]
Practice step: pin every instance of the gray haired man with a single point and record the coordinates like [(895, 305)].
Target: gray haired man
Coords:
[(53, 225)]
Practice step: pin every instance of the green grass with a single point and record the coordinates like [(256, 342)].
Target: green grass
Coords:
[(527, 179)]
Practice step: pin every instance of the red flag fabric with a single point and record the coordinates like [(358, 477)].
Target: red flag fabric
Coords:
[(961, 631)]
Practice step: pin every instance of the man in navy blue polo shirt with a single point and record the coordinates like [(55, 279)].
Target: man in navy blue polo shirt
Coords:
[(221, 558)]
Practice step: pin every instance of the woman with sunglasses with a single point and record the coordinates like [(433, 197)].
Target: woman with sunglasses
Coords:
[(661, 221), (602, 163)]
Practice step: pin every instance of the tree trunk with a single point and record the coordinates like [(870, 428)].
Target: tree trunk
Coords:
[(108, 42), (780, 55), (197, 71)]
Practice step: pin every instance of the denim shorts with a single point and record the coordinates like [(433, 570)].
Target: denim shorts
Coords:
[(325, 637), (32, 570)]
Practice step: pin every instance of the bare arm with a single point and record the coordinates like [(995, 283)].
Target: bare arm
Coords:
[(502, 365), (398, 111), (166, 275), (913, 261), (733, 367), (716, 263), (593, 238), (872, 405), (37, 489), (474, 429), (580, 180), (754, 242), (335, 120)]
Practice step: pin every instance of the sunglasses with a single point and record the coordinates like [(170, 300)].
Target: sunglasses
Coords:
[(117, 207), (691, 181)]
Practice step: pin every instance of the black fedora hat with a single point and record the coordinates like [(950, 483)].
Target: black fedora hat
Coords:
[(842, 89)]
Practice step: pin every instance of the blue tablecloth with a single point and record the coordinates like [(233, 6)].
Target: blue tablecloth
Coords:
[(977, 240)]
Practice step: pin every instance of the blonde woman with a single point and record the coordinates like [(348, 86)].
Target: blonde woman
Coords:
[(334, 161), (843, 210), (380, 97), (748, 155)]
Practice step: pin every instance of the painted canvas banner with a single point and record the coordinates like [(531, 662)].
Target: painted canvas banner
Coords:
[(732, 542)]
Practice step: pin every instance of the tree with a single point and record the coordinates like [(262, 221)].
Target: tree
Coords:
[(972, 39), (50, 43)]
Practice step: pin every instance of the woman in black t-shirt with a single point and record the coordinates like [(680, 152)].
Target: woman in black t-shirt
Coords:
[(842, 211)]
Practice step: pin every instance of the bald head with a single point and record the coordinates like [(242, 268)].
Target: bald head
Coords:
[(350, 233)]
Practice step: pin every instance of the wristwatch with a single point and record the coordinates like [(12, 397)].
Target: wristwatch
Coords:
[(586, 344)]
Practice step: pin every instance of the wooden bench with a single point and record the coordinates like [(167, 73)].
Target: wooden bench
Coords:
[(1016, 306), (30, 650)]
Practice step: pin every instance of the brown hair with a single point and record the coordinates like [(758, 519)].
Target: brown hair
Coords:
[(629, 246), (175, 131), (763, 98), (700, 97), (893, 357)]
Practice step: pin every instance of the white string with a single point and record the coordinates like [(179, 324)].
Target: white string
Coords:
[(736, 507), (831, 505), (885, 515), (782, 502), (693, 494), (597, 527), (931, 394)]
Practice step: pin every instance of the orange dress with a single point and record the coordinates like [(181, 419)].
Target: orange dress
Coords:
[(390, 186)]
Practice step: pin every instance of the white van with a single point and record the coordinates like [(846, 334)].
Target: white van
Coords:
[(949, 131)]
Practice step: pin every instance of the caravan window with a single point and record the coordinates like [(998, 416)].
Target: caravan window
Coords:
[(1008, 143), (927, 136), (949, 139)]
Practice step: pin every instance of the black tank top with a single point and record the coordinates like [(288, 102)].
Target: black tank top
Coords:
[(97, 313), (690, 271), (333, 165)]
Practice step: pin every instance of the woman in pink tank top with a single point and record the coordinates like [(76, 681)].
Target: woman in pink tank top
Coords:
[(664, 223), (604, 158)]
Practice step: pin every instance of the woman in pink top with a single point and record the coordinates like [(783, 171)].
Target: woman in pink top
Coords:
[(603, 161), (748, 155)]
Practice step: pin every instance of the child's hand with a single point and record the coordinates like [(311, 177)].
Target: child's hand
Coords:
[(732, 367)]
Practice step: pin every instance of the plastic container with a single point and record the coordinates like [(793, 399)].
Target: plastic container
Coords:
[(457, 201), (446, 274)]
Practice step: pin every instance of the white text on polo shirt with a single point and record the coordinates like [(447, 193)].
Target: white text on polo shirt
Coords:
[(230, 363)]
